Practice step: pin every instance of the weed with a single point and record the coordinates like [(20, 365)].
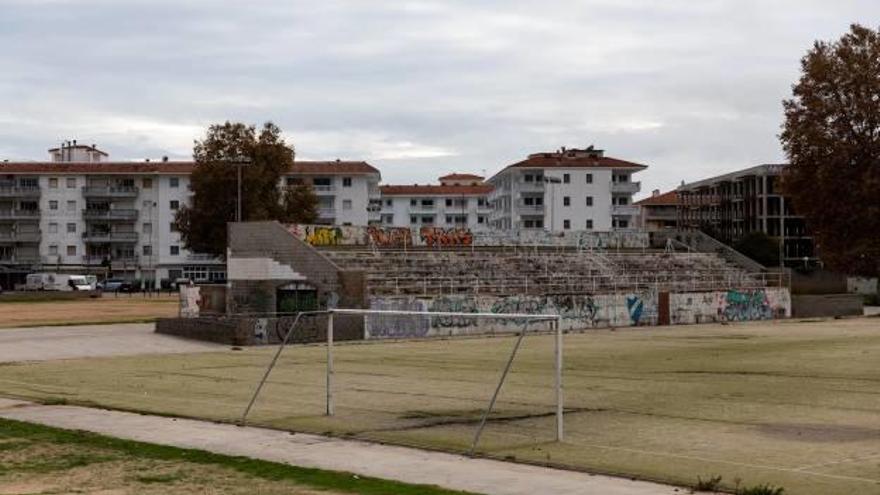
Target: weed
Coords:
[(708, 485), (762, 490)]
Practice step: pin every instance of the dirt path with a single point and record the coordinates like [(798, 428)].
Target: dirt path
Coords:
[(49, 343), (366, 459)]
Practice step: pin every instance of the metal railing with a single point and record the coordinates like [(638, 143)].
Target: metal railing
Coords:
[(110, 191), (19, 191), (110, 236), (120, 214)]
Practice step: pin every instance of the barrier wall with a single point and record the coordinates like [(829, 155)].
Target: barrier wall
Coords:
[(577, 311), (400, 237)]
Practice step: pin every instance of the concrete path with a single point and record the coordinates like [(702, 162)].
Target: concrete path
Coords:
[(366, 459), (47, 343)]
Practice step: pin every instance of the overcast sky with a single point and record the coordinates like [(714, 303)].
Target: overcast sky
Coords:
[(417, 88)]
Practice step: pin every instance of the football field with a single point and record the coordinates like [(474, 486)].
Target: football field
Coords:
[(792, 404)]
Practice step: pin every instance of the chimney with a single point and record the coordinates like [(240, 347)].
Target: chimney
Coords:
[(655, 193)]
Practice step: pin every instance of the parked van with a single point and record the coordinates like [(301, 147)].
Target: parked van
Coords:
[(57, 282)]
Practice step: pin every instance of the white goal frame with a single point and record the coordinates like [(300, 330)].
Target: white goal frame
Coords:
[(555, 321)]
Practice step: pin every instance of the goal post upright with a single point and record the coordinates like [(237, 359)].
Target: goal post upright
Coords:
[(329, 379), (560, 398)]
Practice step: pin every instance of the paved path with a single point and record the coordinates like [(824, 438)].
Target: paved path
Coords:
[(366, 459), (47, 343)]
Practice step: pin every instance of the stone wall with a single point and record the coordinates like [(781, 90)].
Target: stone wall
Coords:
[(730, 305), (262, 331), (862, 285)]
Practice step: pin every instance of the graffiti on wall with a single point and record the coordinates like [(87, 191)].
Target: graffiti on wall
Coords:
[(730, 305), (399, 237), (388, 237), (190, 297), (438, 236), (577, 311)]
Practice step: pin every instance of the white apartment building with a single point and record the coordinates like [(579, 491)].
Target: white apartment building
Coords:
[(348, 192), (570, 189), (459, 201), (80, 212)]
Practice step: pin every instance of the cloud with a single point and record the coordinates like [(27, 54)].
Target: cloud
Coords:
[(416, 87)]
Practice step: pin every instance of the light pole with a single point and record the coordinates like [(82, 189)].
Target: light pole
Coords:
[(239, 161), (552, 181)]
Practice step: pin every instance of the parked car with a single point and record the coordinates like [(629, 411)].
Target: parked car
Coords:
[(116, 285)]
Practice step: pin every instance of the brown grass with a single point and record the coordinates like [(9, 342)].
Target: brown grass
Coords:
[(108, 309)]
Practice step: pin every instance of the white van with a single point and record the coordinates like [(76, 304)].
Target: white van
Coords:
[(57, 282)]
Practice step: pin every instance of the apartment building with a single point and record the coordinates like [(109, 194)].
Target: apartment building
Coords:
[(732, 205), (80, 212), (348, 191), (458, 201), (569, 189), (658, 211)]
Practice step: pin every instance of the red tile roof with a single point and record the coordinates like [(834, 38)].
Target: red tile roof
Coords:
[(332, 168), (457, 176), (666, 199), (434, 190), (300, 167), (555, 160)]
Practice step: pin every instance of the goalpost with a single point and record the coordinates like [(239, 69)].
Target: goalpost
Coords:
[(520, 319)]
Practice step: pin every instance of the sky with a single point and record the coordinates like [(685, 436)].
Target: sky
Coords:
[(690, 88)]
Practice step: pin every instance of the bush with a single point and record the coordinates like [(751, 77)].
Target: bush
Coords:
[(711, 484), (759, 247), (762, 490)]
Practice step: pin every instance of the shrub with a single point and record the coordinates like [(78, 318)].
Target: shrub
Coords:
[(762, 490), (708, 485)]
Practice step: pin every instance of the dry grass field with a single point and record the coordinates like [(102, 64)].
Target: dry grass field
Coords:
[(793, 404), (107, 309)]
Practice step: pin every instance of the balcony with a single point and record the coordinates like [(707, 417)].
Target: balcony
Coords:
[(625, 187), (324, 190), (110, 192), (111, 215), (529, 209), (106, 237), (530, 186), (624, 210), (19, 214), (328, 212), (19, 237), (10, 191)]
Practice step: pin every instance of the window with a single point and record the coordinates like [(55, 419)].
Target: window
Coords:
[(623, 224), (566, 178), (413, 220), (589, 201), (566, 201), (71, 228), (71, 206), (448, 202), (175, 250), (174, 182), (53, 184), (346, 204), (71, 250), (481, 219), (71, 182), (148, 228), (448, 218), (147, 183), (148, 250), (481, 201), (174, 204), (428, 220), (413, 202), (566, 224), (53, 228), (53, 249), (428, 203), (590, 224), (346, 182), (53, 205), (528, 178), (589, 178), (171, 227), (389, 202)]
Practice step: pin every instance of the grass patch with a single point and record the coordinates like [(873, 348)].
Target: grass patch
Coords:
[(159, 478), (315, 478)]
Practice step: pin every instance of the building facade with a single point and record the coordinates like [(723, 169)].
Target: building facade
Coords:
[(459, 201), (658, 211), (733, 205), (81, 213), (570, 189)]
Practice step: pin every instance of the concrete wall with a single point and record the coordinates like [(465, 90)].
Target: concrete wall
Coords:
[(827, 305), (577, 311), (861, 285), (317, 235), (731, 305)]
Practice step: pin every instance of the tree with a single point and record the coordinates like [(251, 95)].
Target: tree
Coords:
[(214, 184), (759, 247), (300, 204), (831, 135)]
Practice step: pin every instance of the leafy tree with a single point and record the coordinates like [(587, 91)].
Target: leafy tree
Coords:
[(759, 247), (831, 135), (214, 184), (300, 204)]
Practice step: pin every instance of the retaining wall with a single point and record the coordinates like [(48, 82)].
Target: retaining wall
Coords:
[(261, 331), (827, 305)]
